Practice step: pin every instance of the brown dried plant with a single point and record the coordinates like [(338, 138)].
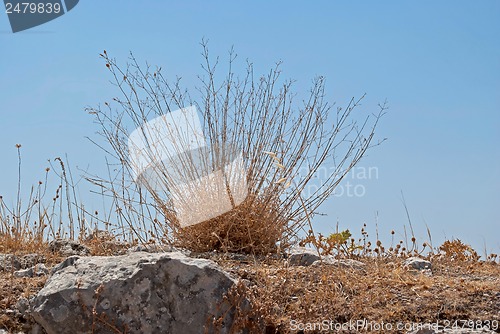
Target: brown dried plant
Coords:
[(456, 250), (284, 145)]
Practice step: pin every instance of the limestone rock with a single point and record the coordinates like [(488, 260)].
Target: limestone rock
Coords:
[(137, 293), (68, 247), (29, 260), (9, 262), (302, 256), (417, 263), (152, 248), (38, 270)]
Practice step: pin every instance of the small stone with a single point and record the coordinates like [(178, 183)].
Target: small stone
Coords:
[(417, 263), (9, 262), (67, 247), (302, 256), (151, 249), (38, 270), (22, 305), (24, 272), (30, 260)]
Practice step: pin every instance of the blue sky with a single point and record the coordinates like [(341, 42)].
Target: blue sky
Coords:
[(437, 63)]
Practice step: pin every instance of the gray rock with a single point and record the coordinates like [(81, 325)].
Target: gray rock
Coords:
[(30, 260), (38, 270), (24, 273), (302, 256), (36, 329), (242, 258), (9, 262), (137, 293), (152, 248), (68, 247), (417, 263), (22, 305), (344, 263)]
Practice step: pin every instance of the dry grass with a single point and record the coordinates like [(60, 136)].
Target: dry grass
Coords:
[(283, 297), (383, 292)]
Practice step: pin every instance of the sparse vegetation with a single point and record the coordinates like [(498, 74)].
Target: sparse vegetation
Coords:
[(284, 146), (384, 292), (462, 286)]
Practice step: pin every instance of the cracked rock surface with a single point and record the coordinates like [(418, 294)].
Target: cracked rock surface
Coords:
[(138, 293)]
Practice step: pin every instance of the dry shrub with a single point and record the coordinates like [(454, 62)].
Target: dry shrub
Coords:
[(19, 243), (457, 250), (254, 226), (284, 146)]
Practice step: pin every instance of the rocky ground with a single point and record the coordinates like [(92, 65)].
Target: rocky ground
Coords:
[(294, 292)]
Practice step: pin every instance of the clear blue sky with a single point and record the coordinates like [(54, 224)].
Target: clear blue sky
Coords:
[(437, 63)]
